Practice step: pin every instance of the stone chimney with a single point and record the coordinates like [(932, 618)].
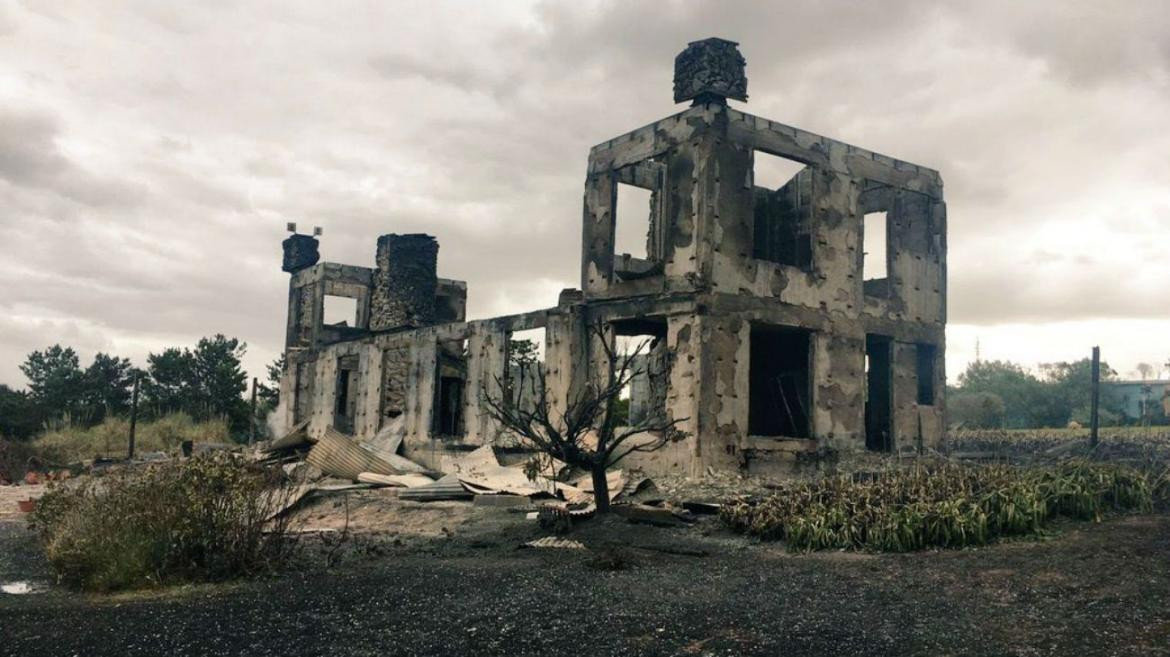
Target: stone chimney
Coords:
[(300, 252), (710, 71), (404, 282)]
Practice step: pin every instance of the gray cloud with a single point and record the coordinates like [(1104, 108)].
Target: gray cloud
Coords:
[(148, 162), (30, 157)]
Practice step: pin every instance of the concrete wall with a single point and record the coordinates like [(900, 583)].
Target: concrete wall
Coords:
[(703, 279), (708, 152)]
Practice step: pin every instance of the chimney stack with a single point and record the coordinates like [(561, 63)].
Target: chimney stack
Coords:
[(405, 282)]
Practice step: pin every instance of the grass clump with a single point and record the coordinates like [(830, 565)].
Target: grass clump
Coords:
[(109, 438), (943, 506), (203, 519)]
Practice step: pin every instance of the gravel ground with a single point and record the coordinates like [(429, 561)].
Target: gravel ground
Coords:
[(1091, 590)]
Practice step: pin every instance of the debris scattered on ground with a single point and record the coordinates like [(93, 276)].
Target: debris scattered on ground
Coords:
[(337, 455), (296, 437), (501, 500), (653, 515), (389, 438), (407, 480), (294, 498), (482, 473), (556, 542), (555, 519), (23, 587), (702, 508), (445, 488), (614, 480)]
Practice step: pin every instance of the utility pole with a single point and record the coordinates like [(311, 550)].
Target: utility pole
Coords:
[(133, 418), (1095, 399), (252, 435)]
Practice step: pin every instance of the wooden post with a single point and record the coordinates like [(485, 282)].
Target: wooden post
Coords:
[(133, 418), (1095, 398), (252, 435)]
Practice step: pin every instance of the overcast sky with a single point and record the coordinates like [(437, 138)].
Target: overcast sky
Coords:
[(151, 153)]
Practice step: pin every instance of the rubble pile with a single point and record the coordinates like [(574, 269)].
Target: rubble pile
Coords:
[(557, 494)]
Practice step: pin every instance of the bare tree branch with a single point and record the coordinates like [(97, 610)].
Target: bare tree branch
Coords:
[(589, 411)]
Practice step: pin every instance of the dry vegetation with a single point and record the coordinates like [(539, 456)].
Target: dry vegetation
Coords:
[(204, 518), (1143, 446), (108, 439)]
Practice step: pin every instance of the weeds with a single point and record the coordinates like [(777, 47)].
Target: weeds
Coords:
[(206, 519), (945, 506), (108, 439), (1140, 444)]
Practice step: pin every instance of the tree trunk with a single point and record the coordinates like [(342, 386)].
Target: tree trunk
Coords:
[(600, 488)]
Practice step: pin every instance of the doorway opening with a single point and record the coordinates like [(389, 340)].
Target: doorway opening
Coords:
[(346, 396), (779, 382), (879, 434), (450, 379), (525, 371)]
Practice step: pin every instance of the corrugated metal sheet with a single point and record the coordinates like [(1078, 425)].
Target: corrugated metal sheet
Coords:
[(337, 455), (410, 480), (447, 488), (298, 435), (556, 542)]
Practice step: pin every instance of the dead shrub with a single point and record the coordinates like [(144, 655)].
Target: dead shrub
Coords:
[(203, 519)]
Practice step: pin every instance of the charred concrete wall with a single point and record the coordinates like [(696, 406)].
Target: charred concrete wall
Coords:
[(758, 297), (711, 200), (308, 289)]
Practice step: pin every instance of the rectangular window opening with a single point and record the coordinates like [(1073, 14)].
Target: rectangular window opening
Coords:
[(925, 369), (772, 171), (345, 394), (450, 380), (779, 382), (643, 399), (339, 311), (782, 190), (875, 260), (525, 366), (632, 221)]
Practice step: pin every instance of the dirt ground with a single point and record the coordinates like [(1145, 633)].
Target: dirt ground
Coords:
[(10, 495), (443, 578)]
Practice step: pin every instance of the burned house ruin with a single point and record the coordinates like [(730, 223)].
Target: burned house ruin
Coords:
[(789, 318)]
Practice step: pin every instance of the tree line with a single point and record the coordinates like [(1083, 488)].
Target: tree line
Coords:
[(1003, 394), (206, 382)]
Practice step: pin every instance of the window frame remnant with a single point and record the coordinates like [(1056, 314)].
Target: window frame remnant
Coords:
[(650, 175), (782, 217)]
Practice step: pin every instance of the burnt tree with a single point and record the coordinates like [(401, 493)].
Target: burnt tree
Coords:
[(584, 432)]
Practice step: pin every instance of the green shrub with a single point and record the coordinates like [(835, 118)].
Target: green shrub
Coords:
[(945, 506), (205, 518)]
